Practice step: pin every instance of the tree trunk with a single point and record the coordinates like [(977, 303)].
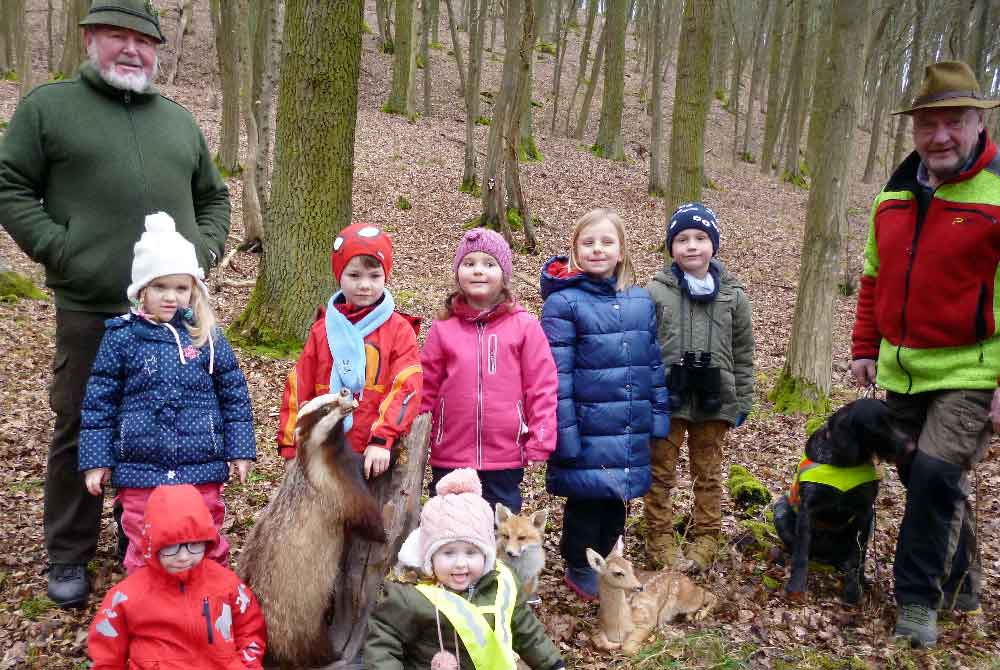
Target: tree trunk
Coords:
[(425, 54), (875, 139), (22, 46), (796, 88), (384, 29), (610, 143), (8, 23), (772, 124), (562, 33), (477, 26), (655, 186), (494, 210), (756, 77), (74, 51), (807, 366), (980, 44), (253, 225), (588, 95), (527, 148), (227, 49), (403, 61), (49, 60), (822, 90), (525, 49), (266, 48), (914, 75), (314, 168), (687, 133), (434, 7), (581, 70), (456, 48), (184, 15), (365, 564)]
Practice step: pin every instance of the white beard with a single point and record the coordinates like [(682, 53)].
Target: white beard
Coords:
[(137, 83)]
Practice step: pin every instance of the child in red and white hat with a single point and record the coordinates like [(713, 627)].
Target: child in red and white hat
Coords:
[(467, 610), (359, 342)]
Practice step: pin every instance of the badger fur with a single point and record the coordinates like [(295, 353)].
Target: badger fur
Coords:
[(293, 553)]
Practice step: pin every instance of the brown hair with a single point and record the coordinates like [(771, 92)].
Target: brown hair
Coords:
[(624, 271), (447, 311)]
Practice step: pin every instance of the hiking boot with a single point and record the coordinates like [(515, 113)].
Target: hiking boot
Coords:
[(582, 582), (917, 623), (662, 551), (68, 585), (701, 552), (121, 547), (966, 605)]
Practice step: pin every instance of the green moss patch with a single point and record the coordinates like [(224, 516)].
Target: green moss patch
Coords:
[(14, 286)]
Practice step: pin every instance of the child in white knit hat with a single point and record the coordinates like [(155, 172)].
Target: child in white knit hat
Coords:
[(466, 612), (166, 402)]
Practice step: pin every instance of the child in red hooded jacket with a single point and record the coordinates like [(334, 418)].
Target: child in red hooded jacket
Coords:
[(178, 611), (360, 343)]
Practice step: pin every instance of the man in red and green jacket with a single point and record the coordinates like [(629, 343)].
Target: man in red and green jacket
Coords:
[(927, 315)]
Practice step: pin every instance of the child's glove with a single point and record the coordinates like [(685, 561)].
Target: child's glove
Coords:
[(95, 478), (740, 419), (241, 467), (376, 461)]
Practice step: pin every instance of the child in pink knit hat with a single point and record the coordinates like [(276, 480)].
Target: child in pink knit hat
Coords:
[(466, 610), (489, 379)]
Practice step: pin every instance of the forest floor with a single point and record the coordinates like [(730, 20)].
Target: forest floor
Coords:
[(762, 223)]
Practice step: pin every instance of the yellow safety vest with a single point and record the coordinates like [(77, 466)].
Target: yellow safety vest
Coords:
[(489, 649), (842, 479)]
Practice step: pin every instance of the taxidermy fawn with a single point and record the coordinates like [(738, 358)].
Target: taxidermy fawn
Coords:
[(632, 607)]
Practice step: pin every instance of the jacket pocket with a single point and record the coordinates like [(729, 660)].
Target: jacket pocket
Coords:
[(68, 251), (968, 212), (440, 423), (981, 313)]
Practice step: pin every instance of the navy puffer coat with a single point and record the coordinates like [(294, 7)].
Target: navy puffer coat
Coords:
[(154, 420), (612, 389)]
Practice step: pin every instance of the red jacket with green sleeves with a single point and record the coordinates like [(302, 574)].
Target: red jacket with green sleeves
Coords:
[(204, 618), (393, 380), (929, 302)]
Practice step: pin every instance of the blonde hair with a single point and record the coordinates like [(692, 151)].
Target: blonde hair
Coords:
[(624, 271), (203, 326)]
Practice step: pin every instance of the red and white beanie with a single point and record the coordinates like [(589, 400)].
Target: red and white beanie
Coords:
[(361, 239), (458, 513)]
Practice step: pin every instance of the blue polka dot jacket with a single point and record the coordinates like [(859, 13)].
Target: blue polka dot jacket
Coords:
[(158, 410)]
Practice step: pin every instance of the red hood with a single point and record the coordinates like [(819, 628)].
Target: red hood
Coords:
[(176, 514)]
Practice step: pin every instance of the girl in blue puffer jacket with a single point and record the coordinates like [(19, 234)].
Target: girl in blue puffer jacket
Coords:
[(612, 389), (166, 402)]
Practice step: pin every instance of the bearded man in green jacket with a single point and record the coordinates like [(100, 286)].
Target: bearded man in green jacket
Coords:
[(83, 161)]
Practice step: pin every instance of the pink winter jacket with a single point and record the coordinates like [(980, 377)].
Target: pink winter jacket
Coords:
[(491, 383)]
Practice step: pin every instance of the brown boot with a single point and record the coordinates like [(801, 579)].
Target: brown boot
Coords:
[(701, 552), (662, 550)]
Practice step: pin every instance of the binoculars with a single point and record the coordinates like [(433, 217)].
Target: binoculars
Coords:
[(695, 377)]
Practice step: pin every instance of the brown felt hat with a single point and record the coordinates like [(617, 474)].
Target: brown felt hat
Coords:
[(950, 83), (138, 15)]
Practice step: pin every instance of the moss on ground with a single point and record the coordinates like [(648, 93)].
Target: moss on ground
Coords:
[(14, 286)]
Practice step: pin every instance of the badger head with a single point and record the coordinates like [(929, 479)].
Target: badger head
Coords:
[(319, 426)]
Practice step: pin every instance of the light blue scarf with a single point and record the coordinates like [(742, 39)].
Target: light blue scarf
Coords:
[(347, 345)]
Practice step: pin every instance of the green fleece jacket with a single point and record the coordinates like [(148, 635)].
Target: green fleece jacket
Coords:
[(682, 325), (403, 633), (82, 163)]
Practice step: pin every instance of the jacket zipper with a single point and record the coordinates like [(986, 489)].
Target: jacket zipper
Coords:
[(480, 327), (138, 151), (912, 251), (522, 427), (211, 426), (440, 435), (206, 612), (981, 320), (969, 210)]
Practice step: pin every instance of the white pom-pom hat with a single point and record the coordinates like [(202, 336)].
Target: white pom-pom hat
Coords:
[(162, 251), (458, 513)]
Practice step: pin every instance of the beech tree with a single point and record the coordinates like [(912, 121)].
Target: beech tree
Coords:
[(775, 107), (691, 97), (655, 186), (914, 74), (797, 92), (225, 19), (74, 50), (313, 171), (610, 143), (581, 70), (477, 25), (403, 61), (805, 381)]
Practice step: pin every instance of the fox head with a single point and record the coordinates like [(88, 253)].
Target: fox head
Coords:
[(517, 532)]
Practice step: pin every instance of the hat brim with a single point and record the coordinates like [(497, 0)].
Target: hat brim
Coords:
[(123, 20), (978, 103)]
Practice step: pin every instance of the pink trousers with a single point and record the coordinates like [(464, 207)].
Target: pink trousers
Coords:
[(133, 502)]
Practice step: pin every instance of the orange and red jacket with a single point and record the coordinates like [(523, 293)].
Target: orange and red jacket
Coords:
[(204, 618), (393, 379)]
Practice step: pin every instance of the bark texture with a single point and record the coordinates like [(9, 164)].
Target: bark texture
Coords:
[(610, 143), (403, 61)]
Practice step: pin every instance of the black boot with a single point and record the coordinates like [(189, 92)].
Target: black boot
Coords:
[(68, 585)]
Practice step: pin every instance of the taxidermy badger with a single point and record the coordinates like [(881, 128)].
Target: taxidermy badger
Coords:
[(293, 554)]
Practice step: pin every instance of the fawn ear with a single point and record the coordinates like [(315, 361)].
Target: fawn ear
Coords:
[(619, 548), (596, 560), (502, 513), (539, 518)]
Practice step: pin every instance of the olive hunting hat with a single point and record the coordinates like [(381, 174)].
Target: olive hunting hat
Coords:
[(950, 83), (138, 15)]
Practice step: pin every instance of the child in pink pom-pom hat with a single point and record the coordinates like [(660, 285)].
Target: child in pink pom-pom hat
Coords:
[(466, 610)]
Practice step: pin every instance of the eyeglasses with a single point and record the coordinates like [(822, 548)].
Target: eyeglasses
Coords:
[(192, 547), (929, 127)]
